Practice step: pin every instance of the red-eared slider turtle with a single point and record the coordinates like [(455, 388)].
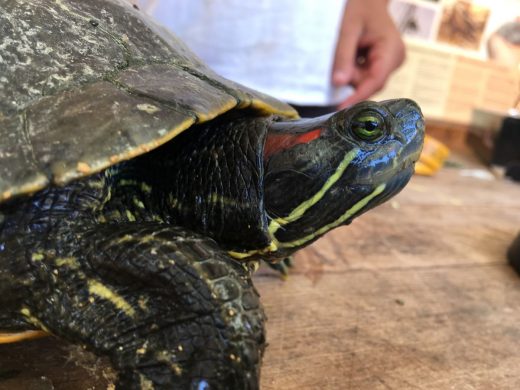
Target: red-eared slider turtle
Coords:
[(138, 188)]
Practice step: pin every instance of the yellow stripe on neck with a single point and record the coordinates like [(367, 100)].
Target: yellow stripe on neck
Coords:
[(300, 210), (324, 229), (275, 244), (272, 247)]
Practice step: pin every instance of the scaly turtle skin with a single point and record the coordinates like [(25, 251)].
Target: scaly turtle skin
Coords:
[(138, 189)]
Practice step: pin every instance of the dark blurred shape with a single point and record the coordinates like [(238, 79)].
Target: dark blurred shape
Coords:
[(513, 170), (513, 254), (506, 151), (495, 138)]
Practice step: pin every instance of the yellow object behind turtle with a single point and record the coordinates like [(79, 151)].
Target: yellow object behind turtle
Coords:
[(433, 156)]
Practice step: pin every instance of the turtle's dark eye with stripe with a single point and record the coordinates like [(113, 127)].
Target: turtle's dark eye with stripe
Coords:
[(368, 126)]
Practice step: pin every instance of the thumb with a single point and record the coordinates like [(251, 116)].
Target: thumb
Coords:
[(345, 56)]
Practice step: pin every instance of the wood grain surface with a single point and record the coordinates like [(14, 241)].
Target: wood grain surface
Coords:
[(414, 295)]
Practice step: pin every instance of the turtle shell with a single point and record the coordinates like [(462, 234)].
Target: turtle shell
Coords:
[(87, 84)]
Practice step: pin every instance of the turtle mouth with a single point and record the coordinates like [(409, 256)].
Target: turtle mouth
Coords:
[(398, 181), (402, 175)]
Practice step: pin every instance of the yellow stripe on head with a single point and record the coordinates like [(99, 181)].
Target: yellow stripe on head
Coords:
[(300, 210), (324, 229)]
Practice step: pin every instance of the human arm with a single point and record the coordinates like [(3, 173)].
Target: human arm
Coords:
[(367, 32)]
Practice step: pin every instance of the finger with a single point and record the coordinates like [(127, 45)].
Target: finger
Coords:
[(345, 57), (367, 83), (363, 91), (381, 63)]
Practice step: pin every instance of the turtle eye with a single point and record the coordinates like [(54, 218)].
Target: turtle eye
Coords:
[(369, 126)]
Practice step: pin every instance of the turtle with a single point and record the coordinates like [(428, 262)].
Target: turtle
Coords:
[(139, 191)]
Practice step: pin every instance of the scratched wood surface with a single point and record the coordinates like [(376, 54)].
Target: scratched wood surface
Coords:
[(414, 295)]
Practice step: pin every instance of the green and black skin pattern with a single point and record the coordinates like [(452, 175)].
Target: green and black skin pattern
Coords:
[(138, 191)]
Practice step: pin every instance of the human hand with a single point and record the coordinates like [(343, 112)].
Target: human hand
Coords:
[(369, 49)]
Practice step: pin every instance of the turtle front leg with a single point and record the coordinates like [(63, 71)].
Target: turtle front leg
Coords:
[(168, 307)]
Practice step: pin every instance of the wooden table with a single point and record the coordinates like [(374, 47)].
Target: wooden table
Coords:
[(414, 295)]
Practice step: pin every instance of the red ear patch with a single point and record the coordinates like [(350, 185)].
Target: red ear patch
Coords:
[(276, 143)]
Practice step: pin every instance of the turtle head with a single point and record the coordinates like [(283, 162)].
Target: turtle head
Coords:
[(322, 173), (264, 188)]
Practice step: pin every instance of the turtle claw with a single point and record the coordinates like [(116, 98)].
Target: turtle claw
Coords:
[(282, 267)]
